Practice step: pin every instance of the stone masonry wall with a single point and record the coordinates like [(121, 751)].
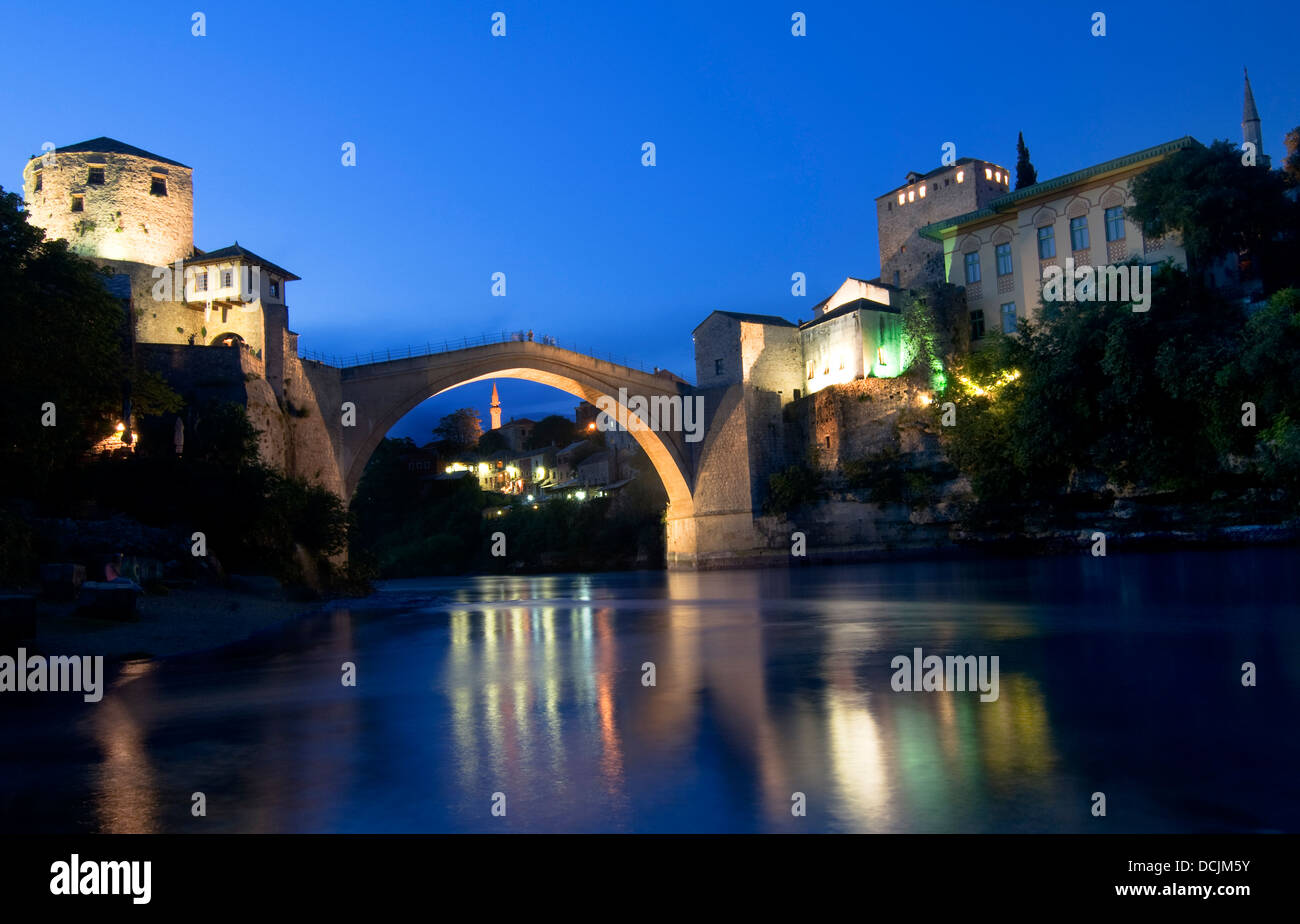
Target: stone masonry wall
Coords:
[(121, 219)]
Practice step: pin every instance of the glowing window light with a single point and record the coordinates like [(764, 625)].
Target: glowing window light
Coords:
[(988, 173), (901, 197), (999, 176), (911, 195), (922, 191), (580, 495), (961, 175)]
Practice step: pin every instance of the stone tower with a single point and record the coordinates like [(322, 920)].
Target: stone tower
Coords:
[(112, 201), (908, 259), (1251, 130), (496, 408)]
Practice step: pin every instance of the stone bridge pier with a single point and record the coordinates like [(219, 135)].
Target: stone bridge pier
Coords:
[(709, 483)]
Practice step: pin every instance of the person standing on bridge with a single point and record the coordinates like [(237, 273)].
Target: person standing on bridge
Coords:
[(530, 336)]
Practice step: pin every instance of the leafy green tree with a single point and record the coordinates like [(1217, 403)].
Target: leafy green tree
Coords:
[(1026, 175), (458, 431), (61, 337), (1291, 166), (552, 430), (491, 442), (1221, 208)]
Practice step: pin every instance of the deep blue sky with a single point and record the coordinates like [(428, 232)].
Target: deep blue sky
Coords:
[(522, 154)]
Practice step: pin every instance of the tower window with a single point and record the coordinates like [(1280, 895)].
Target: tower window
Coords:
[(961, 175), (200, 282), (988, 173), (275, 288), (717, 367), (158, 186), (227, 279), (78, 203), (921, 191), (96, 176), (40, 182)]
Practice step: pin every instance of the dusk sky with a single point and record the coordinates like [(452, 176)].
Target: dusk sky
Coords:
[(522, 154)]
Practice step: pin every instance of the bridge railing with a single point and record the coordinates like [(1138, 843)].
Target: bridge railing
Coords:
[(447, 345)]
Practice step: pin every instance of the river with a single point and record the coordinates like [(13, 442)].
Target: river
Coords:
[(525, 703)]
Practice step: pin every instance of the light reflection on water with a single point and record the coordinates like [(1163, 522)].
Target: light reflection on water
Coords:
[(1117, 675)]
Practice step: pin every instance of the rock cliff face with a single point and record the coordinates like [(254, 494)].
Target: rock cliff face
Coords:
[(888, 491), (293, 435)]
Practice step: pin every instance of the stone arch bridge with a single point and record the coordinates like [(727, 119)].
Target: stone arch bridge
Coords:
[(709, 483)]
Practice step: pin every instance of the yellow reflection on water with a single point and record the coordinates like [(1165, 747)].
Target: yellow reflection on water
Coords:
[(126, 797), (858, 762)]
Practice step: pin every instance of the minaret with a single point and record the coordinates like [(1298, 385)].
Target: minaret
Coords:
[(1250, 126), (496, 408)]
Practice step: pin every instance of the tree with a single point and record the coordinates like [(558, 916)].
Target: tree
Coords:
[(491, 442), (1291, 166), (62, 365), (459, 431), (1220, 207), (552, 430), (1026, 175)]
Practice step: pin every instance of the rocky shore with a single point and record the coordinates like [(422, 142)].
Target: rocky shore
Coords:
[(178, 621)]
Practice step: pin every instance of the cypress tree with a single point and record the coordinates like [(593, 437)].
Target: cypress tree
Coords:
[(1026, 175)]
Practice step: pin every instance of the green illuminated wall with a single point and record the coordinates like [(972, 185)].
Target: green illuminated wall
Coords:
[(882, 339)]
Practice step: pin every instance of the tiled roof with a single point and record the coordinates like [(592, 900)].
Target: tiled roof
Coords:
[(858, 304), (751, 318), (934, 231), (235, 252), (113, 146)]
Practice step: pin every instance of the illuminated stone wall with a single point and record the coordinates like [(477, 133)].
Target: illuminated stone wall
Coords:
[(902, 249), (121, 220)]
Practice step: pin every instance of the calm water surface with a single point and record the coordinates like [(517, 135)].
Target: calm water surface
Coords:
[(1118, 675)]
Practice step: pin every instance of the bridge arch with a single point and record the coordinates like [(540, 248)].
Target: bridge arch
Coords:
[(383, 393)]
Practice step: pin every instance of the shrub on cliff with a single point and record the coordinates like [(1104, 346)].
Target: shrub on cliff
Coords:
[(790, 488)]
